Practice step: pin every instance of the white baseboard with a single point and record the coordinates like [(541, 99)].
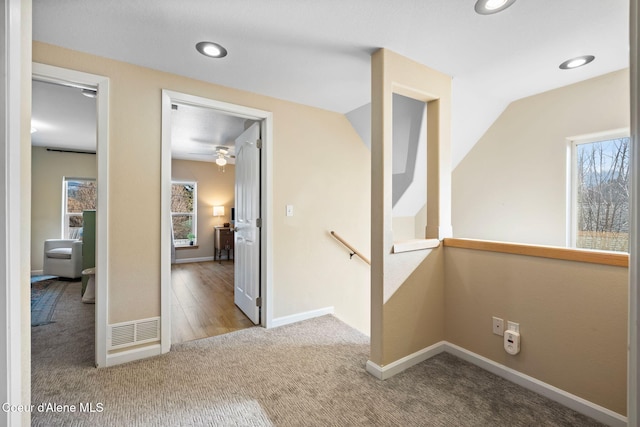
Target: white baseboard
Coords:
[(567, 399), (37, 272), (189, 260), (135, 354), (293, 318), (387, 371)]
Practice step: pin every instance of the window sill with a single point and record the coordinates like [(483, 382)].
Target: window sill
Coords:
[(187, 247), (415, 245)]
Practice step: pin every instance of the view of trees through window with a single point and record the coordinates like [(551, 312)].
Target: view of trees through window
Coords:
[(183, 212), (80, 195), (602, 195)]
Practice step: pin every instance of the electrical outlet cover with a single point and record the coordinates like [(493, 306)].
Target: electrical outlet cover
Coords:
[(498, 326)]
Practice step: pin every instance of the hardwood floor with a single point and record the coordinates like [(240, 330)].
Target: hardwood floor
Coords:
[(202, 304)]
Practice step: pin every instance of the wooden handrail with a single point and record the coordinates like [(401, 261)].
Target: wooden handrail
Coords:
[(353, 250)]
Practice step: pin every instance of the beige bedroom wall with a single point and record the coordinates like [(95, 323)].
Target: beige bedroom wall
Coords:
[(215, 188), (512, 186), (48, 170), (572, 316), (407, 301), (319, 165)]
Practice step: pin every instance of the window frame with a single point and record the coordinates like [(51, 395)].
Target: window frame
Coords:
[(194, 214), (66, 215), (572, 181)]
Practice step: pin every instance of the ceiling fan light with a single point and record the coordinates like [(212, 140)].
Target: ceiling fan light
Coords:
[(221, 161)]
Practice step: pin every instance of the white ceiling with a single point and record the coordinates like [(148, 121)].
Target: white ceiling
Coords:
[(197, 131), (318, 52), (63, 117)]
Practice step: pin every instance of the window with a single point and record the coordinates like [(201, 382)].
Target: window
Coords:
[(600, 193), (79, 194), (184, 212)]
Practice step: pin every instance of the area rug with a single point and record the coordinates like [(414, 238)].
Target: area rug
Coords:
[(44, 297), (41, 277)]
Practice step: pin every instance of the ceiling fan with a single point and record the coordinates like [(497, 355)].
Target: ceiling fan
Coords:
[(221, 154)]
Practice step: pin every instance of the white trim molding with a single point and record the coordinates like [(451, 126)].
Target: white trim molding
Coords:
[(569, 400), (190, 260), (633, 369), (12, 251), (299, 317), (121, 357), (393, 368)]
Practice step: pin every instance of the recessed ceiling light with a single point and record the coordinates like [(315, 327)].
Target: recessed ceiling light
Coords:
[(487, 7), (576, 62), (89, 93), (211, 49)]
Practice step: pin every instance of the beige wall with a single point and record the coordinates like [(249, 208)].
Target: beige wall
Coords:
[(328, 191), (48, 170), (512, 184), (215, 188), (407, 305), (414, 314), (572, 316), (410, 227)]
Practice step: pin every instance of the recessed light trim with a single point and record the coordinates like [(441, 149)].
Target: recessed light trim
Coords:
[(89, 93), (577, 62), (488, 7), (211, 49)]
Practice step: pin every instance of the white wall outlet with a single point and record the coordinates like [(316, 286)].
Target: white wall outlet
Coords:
[(512, 342), (513, 326), (498, 326), (289, 210)]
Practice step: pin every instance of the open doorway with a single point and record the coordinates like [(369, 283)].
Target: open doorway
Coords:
[(63, 200), (69, 199), (212, 274), (203, 182)]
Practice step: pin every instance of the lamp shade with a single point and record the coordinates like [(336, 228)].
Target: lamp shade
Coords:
[(218, 211)]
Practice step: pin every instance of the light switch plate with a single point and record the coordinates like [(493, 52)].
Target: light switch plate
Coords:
[(498, 326), (289, 210)]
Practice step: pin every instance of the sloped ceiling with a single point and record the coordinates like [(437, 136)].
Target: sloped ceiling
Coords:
[(318, 52)]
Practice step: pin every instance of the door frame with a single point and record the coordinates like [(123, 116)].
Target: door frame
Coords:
[(266, 204), (48, 73), (633, 364), (14, 335)]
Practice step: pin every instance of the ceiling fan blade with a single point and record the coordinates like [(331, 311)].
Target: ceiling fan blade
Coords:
[(203, 154)]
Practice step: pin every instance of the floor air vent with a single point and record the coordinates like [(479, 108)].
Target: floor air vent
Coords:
[(133, 333)]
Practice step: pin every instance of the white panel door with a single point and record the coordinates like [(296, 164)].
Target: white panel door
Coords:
[(247, 232)]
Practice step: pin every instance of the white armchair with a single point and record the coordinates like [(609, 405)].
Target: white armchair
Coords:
[(63, 257)]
